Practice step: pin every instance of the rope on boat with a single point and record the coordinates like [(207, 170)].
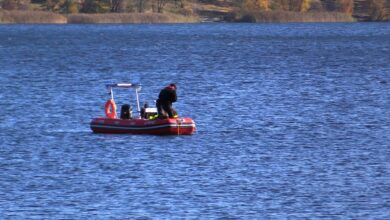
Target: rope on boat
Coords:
[(178, 121)]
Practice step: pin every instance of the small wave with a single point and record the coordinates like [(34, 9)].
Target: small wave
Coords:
[(67, 130)]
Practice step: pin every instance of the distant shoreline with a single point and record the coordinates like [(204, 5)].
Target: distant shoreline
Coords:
[(42, 17)]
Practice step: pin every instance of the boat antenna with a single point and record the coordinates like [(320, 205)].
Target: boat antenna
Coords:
[(137, 89)]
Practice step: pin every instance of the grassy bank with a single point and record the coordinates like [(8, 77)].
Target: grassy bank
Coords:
[(31, 17), (115, 18), (41, 17), (289, 16)]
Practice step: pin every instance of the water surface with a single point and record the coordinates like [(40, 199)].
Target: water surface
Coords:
[(293, 121)]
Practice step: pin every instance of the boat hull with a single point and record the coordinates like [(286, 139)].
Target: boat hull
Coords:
[(172, 126)]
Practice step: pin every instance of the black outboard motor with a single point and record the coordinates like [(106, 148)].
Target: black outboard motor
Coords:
[(126, 111)]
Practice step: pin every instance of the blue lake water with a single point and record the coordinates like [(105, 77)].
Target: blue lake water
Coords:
[(293, 121)]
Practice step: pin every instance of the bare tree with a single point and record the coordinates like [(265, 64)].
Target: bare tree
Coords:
[(141, 5), (378, 9), (118, 6), (160, 5), (15, 4), (9, 4), (179, 3)]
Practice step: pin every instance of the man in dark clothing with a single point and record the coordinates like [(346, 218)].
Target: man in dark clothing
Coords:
[(164, 102)]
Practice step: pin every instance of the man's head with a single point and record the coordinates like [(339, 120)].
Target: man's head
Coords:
[(173, 85)]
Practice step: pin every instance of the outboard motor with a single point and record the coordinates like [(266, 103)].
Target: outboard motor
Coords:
[(126, 111)]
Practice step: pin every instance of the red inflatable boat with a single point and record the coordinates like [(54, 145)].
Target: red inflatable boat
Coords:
[(172, 126), (144, 123)]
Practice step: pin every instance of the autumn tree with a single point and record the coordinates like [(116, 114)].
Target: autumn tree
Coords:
[(251, 5), (71, 7), (305, 5), (345, 6), (289, 5), (378, 9), (263, 4)]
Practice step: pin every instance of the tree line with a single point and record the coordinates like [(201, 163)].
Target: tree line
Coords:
[(91, 6), (375, 8)]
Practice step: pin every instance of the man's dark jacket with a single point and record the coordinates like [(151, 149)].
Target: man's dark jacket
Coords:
[(168, 95)]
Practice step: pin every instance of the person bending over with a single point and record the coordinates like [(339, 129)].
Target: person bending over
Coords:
[(164, 102)]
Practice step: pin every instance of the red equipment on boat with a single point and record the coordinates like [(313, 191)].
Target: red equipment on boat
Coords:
[(139, 125)]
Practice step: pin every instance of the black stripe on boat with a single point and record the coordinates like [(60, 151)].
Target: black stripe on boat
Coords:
[(152, 127)]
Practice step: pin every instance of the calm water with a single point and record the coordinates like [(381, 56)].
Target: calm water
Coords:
[(293, 122)]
